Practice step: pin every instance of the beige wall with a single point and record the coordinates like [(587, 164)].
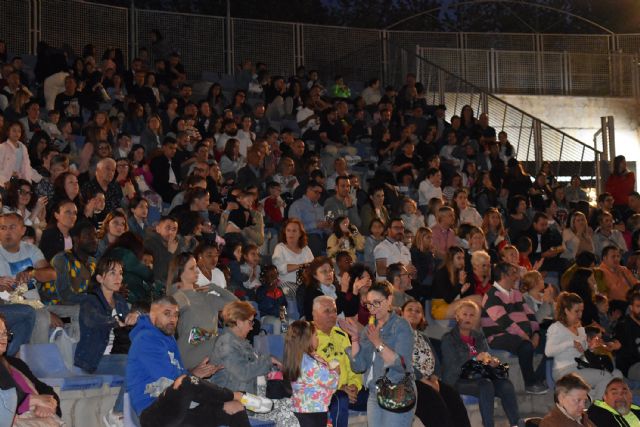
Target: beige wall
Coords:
[(580, 117)]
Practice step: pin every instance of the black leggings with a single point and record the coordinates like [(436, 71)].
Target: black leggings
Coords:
[(172, 408), (440, 409), (311, 419)]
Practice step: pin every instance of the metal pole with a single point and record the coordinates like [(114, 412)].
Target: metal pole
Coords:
[(133, 32), (537, 143), (229, 36), (605, 139), (611, 133)]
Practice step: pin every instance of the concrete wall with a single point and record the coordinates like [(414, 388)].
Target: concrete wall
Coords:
[(580, 117)]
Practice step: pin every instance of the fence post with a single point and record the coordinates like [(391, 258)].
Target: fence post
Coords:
[(384, 45), (229, 39), (611, 134), (537, 143), (133, 31)]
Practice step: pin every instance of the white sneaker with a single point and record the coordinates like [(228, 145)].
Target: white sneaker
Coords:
[(113, 419), (257, 404)]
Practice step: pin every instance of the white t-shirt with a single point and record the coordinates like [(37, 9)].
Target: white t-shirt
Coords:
[(217, 278), (393, 252), (112, 336), (283, 256), (428, 191), (13, 263)]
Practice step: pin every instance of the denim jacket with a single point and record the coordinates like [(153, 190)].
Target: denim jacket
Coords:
[(96, 324), (397, 335)]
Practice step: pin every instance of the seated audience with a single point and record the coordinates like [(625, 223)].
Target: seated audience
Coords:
[(571, 400)]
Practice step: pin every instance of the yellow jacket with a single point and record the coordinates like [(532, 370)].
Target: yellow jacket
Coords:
[(332, 347)]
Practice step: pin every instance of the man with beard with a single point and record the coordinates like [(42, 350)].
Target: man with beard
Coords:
[(627, 331), (162, 391), (616, 409)]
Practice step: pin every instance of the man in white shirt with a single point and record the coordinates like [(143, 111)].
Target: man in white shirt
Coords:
[(392, 250), (430, 188)]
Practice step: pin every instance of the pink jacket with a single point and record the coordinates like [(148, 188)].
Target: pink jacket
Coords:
[(8, 154)]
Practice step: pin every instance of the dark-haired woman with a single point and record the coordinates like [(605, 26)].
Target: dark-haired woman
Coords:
[(319, 280), (35, 401), (199, 308), (439, 404), (620, 184), (101, 312), (345, 237), (128, 250)]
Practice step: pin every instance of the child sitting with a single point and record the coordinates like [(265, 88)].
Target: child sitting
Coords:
[(605, 319), (376, 235), (433, 207), (539, 296), (412, 218), (270, 298), (250, 269)]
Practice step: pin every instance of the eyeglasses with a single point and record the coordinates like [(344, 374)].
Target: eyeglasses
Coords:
[(25, 192), (373, 304), (8, 335)]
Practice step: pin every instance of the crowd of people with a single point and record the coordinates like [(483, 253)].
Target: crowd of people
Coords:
[(164, 231)]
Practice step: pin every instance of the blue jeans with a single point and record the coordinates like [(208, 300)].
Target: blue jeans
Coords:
[(114, 364), (8, 404), (486, 390), (339, 406), (21, 319), (378, 417)]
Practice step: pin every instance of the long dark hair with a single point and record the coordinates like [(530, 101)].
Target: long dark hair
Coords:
[(128, 240)]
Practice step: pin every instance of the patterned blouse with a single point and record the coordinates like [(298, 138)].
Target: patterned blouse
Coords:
[(423, 359), (313, 390)]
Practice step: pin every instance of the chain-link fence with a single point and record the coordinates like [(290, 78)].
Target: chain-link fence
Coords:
[(501, 62), (198, 38), (14, 25), (548, 73), (76, 24)]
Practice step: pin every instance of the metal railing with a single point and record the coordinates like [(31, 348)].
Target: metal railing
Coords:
[(534, 140)]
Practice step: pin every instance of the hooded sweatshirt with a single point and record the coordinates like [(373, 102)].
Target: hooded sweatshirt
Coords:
[(153, 364)]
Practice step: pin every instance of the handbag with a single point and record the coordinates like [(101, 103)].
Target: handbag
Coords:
[(473, 369), (400, 397)]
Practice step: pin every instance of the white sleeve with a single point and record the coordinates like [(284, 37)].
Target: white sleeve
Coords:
[(557, 341)]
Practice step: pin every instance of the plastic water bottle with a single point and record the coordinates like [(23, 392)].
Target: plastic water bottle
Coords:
[(284, 321)]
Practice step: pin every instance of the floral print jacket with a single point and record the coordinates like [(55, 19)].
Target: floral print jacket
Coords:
[(313, 390)]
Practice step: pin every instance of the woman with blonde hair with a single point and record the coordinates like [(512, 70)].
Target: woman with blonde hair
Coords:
[(242, 366), (464, 342), (424, 260), (578, 237)]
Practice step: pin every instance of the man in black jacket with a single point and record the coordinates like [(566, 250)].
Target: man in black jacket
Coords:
[(615, 409), (627, 331), (546, 243), (166, 172)]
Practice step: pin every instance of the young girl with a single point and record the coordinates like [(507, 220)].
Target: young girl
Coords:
[(345, 237), (465, 213), (270, 298), (313, 381), (376, 235), (412, 218), (433, 207), (455, 184), (250, 269)]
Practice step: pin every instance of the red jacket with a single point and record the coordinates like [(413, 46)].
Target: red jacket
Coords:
[(620, 186)]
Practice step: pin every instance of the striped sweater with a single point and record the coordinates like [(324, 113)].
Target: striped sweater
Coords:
[(504, 313)]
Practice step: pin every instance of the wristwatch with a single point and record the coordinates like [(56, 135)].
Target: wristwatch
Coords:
[(380, 348)]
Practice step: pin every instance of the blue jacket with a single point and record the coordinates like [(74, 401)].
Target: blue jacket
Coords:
[(397, 335), (154, 360), (270, 300), (96, 323)]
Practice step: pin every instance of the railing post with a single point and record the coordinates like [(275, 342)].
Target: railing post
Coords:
[(598, 172), (229, 40), (611, 134), (537, 143), (441, 86), (384, 45), (133, 32)]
